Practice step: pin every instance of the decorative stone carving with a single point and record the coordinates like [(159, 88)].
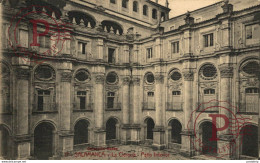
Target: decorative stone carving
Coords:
[(126, 80), (176, 86), (99, 79), (136, 81), (66, 76), (226, 71), (188, 75), (23, 73), (159, 78), (209, 85), (100, 8)]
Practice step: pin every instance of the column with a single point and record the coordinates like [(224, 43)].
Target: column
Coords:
[(135, 119), (225, 137), (126, 112), (99, 130), (22, 137), (1, 148), (100, 45), (126, 54), (159, 130), (65, 135), (187, 134)]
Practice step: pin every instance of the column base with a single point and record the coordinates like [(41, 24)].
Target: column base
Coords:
[(99, 137), (23, 143), (66, 142), (135, 134), (187, 148), (126, 134), (226, 147), (158, 138)]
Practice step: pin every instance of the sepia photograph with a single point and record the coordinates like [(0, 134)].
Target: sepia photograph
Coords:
[(129, 80)]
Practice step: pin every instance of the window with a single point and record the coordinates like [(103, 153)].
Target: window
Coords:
[(175, 47), (154, 14), (208, 40), (110, 100), (44, 73), (150, 94), (43, 100), (252, 90), (24, 38), (175, 76), (163, 16), (176, 93), (249, 32), (125, 3), (111, 55), (135, 6), (111, 78), (44, 41), (81, 95), (149, 53), (113, 1), (145, 10), (209, 91), (208, 72), (82, 47), (149, 78), (251, 68), (82, 75)]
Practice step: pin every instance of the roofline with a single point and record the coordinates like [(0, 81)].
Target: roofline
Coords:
[(195, 10), (158, 5)]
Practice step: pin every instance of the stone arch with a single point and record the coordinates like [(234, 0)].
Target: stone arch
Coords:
[(81, 131), (248, 138), (6, 141), (44, 140), (175, 128), (145, 10), (112, 27), (148, 128), (112, 130), (83, 18), (209, 147)]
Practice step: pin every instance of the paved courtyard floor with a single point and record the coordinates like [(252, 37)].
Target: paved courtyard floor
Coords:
[(124, 152)]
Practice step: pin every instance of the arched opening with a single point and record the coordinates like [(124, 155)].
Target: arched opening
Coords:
[(145, 10), (149, 128), (43, 141), (249, 136), (111, 129), (154, 14), (80, 17), (81, 132), (209, 146), (163, 17), (5, 143), (176, 131), (135, 6), (112, 27)]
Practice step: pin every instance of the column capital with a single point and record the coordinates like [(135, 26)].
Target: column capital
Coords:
[(23, 73), (226, 71), (159, 78), (188, 75), (100, 78), (136, 81), (66, 76), (126, 80)]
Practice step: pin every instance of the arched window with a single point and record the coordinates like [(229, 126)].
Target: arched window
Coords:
[(162, 16), (125, 3), (145, 10), (154, 14), (135, 6), (113, 1), (112, 27)]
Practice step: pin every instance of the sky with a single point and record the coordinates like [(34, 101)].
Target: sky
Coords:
[(179, 7)]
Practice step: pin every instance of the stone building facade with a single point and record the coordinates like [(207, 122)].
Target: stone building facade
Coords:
[(129, 75)]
